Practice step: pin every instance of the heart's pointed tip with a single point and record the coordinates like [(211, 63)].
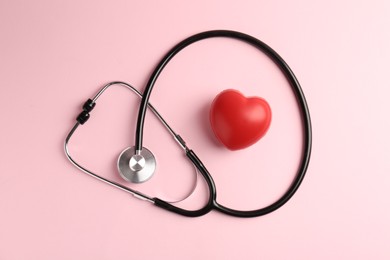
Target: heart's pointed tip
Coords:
[(234, 149), (237, 147)]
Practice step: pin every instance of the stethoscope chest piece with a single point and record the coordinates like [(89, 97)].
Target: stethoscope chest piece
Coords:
[(136, 167)]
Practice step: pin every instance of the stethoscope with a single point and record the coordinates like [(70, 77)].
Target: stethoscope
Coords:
[(137, 164)]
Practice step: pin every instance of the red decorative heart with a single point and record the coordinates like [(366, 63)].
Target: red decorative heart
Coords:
[(237, 121)]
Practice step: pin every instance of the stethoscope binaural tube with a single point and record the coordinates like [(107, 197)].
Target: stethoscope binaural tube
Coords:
[(212, 203), (83, 118)]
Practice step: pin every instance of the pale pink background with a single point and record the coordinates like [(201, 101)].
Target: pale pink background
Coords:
[(56, 54)]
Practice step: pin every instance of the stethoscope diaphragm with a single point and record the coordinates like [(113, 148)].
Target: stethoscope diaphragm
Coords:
[(136, 167)]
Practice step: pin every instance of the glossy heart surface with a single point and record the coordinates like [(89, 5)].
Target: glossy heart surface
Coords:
[(238, 121)]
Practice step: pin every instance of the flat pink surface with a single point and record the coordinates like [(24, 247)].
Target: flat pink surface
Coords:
[(56, 54)]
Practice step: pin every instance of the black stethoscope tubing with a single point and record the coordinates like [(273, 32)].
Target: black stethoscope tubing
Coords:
[(303, 107)]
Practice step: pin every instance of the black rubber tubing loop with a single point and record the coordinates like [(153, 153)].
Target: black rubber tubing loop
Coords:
[(304, 111)]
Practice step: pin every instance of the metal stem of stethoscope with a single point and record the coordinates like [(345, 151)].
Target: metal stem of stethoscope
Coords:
[(135, 193)]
